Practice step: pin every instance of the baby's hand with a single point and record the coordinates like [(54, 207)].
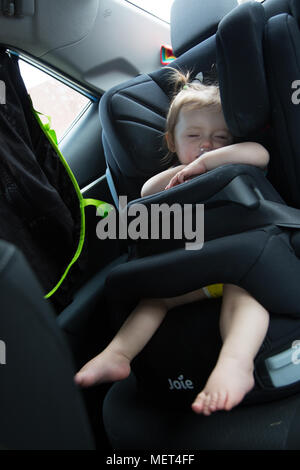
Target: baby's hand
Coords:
[(197, 167)]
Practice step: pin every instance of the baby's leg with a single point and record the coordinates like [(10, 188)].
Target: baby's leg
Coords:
[(243, 324), (114, 362), (184, 299)]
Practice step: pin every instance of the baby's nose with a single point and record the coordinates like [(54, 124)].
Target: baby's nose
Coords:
[(206, 144)]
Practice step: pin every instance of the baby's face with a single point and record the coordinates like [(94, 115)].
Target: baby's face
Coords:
[(199, 130)]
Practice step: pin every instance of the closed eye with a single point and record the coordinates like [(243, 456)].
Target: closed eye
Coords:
[(221, 136)]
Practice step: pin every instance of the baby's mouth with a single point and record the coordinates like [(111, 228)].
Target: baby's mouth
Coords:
[(202, 151)]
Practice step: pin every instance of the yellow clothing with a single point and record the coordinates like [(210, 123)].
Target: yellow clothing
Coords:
[(213, 290)]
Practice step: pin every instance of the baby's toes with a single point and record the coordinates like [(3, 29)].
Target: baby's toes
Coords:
[(206, 407), (222, 400), (213, 406), (199, 402)]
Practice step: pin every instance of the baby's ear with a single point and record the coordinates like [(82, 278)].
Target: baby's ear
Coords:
[(170, 142)]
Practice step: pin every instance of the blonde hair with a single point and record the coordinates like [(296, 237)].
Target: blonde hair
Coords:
[(191, 95)]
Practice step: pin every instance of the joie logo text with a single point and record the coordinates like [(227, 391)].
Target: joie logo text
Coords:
[(180, 384)]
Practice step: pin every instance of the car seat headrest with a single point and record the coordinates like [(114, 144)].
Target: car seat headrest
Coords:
[(241, 71), (275, 7), (295, 9), (192, 21)]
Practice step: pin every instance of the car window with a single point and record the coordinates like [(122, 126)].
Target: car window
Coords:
[(53, 98)]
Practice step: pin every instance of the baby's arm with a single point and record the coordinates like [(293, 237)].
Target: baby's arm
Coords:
[(250, 153), (159, 182)]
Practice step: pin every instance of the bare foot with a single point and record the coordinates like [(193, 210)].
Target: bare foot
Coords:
[(226, 387), (108, 366)]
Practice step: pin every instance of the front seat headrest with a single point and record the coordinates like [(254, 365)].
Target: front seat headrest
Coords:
[(193, 21)]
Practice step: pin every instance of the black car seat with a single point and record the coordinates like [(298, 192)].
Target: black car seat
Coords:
[(40, 406), (260, 224), (136, 109), (281, 48)]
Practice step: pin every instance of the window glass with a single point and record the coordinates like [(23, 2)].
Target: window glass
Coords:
[(53, 98)]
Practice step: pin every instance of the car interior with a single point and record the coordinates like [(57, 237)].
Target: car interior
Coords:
[(251, 49)]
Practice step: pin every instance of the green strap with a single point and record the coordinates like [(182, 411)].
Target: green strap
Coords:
[(103, 208), (47, 127)]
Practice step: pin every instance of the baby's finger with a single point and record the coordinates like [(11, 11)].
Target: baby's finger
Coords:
[(182, 177), (174, 182), (170, 184)]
